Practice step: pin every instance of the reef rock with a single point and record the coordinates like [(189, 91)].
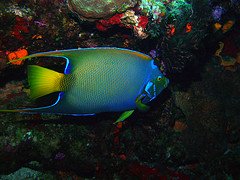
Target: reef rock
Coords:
[(94, 9), (26, 173)]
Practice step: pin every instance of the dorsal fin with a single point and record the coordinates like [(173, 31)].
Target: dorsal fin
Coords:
[(73, 56)]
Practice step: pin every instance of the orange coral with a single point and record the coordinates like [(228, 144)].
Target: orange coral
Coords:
[(179, 126), (188, 27), (16, 55)]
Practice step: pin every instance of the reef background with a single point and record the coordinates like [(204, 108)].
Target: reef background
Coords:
[(192, 129)]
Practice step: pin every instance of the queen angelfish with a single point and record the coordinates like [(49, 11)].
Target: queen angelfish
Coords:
[(96, 80)]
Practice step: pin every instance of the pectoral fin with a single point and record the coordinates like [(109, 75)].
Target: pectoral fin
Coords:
[(140, 105), (124, 116)]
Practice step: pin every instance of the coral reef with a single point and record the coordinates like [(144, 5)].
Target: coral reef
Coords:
[(92, 9), (26, 173), (127, 20), (191, 131)]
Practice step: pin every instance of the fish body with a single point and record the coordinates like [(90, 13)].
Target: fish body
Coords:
[(97, 80)]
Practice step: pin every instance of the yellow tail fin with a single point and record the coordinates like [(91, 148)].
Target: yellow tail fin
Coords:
[(43, 81)]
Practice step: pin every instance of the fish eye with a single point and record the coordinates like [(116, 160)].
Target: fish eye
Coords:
[(159, 78)]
